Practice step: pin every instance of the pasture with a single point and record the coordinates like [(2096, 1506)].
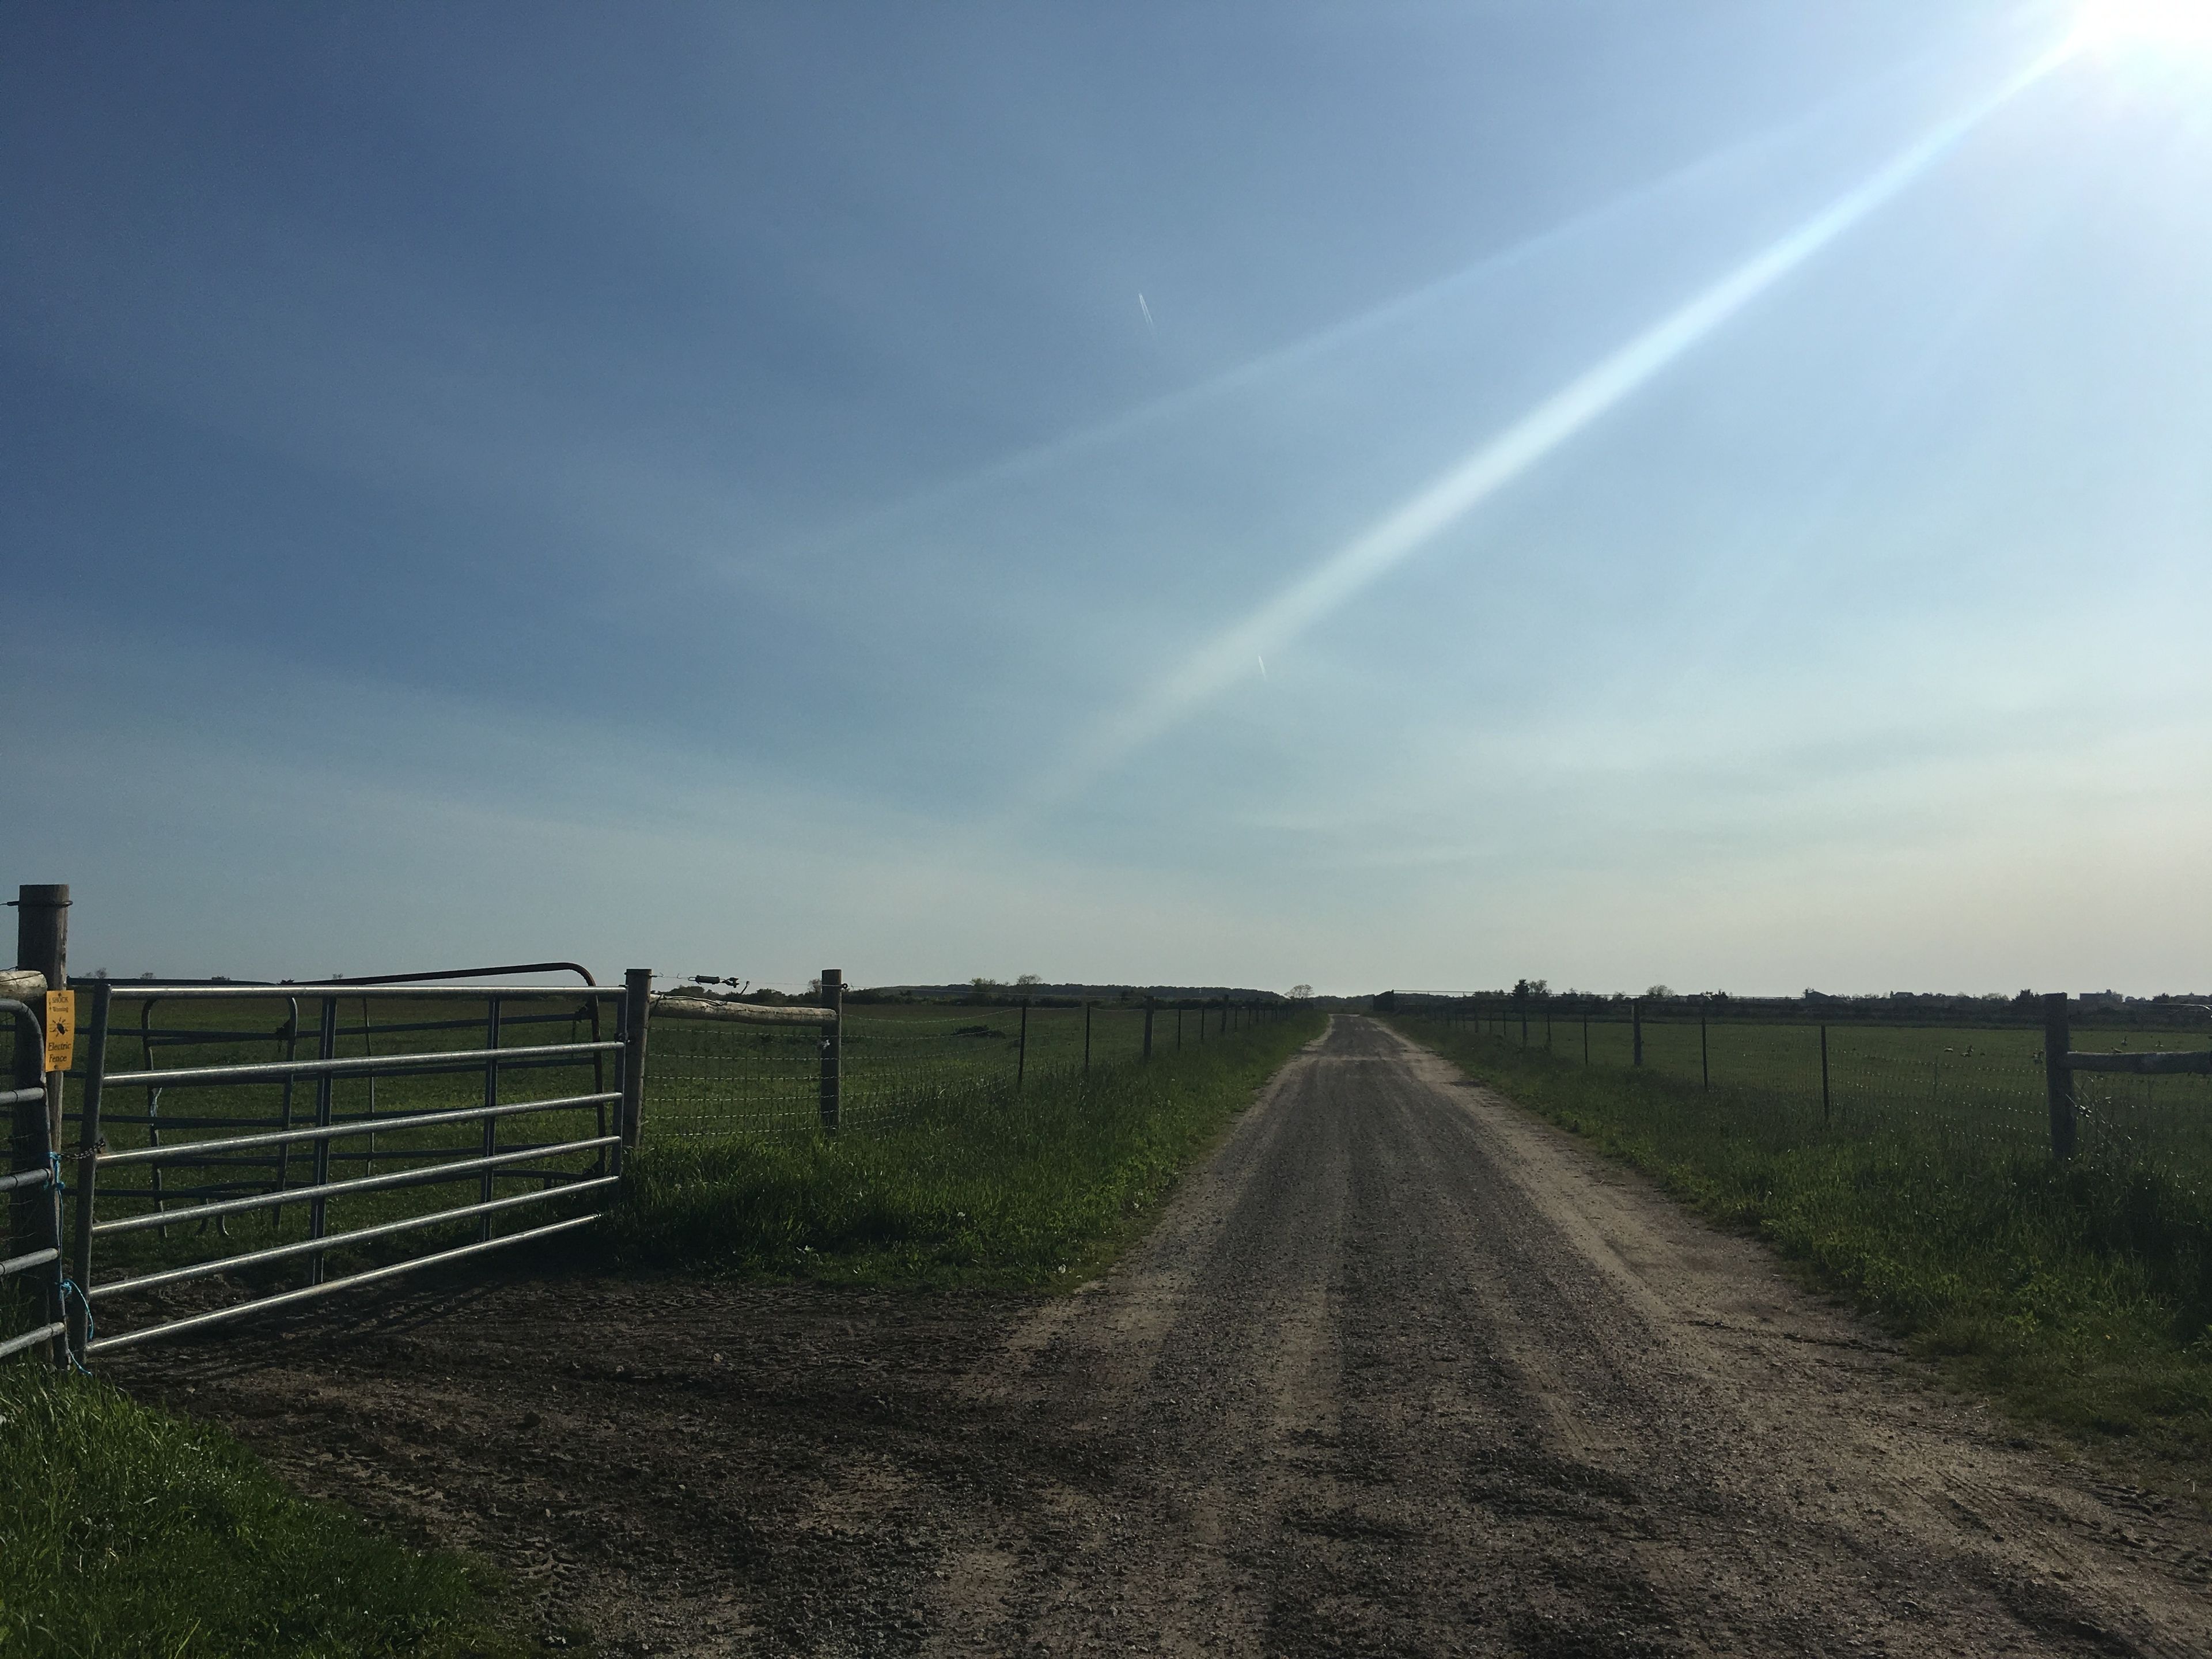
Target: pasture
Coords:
[(1955, 1084)]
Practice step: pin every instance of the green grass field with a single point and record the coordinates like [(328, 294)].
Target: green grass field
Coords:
[(706, 1078), (2080, 1295), (957, 1180), (1979, 1087), (124, 1531)]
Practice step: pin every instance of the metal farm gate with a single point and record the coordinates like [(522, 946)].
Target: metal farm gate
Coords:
[(279, 1143)]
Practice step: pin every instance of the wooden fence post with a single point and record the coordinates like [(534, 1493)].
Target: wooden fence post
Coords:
[(1705, 1053), (1086, 1036), (1635, 1030), (1022, 1048), (1148, 1028), (2057, 1081), (637, 1008), (833, 1047)]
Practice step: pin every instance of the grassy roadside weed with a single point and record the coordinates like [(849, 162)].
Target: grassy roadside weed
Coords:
[(126, 1531)]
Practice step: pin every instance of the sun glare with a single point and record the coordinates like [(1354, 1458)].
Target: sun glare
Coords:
[(2165, 27)]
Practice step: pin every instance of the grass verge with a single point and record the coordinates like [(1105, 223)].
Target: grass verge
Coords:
[(973, 1185), (126, 1531), (2080, 1296)]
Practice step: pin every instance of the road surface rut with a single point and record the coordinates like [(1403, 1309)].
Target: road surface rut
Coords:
[(1400, 1371)]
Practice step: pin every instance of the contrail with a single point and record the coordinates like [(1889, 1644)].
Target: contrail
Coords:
[(1387, 543), (1147, 310)]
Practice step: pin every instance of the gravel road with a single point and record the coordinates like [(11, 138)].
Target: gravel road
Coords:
[(1400, 1371)]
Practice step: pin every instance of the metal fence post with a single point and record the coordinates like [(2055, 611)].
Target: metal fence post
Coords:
[(1022, 1048), (1148, 1028), (487, 1189), (1705, 1055), (637, 1009), (1636, 1031), (318, 1207), (833, 1047), (2057, 1081), (78, 1309), (1824, 1074), (1086, 1036), (1586, 1034), (1178, 1028)]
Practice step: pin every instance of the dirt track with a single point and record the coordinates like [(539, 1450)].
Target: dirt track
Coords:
[(1400, 1371)]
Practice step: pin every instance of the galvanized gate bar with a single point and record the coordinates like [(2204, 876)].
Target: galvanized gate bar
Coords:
[(331, 1242), (424, 1064), (349, 989), (8, 1183), (31, 1338), (490, 1116), (321, 986), (443, 1172), (330, 1287), (362, 1126)]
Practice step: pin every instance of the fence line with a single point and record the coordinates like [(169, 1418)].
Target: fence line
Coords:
[(275, 1143), (2025, 1088), (894, 1061)]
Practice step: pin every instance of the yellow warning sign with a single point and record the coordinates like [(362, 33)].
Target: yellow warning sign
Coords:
[(61, 1029)]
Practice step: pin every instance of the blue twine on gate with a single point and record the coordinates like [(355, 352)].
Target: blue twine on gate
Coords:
[(69, 1288)]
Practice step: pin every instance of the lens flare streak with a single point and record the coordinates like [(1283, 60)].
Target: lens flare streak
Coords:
[(1396, 537)]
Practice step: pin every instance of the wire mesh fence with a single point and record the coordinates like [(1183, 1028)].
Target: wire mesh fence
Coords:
[(1979, 1087), (714, 1079)]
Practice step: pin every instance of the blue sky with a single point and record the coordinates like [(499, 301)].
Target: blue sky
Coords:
[(697, 487)]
